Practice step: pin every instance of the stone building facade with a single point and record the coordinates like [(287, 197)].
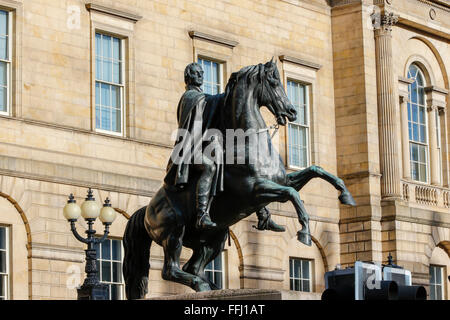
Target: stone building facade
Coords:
[(66, 124)]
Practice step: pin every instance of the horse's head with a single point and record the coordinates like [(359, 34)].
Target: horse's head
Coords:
[(273, 95)]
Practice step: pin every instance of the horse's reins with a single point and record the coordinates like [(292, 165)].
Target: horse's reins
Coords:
[(275, 126)]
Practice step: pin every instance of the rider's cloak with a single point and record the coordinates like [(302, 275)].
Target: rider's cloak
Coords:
[(195, 116)]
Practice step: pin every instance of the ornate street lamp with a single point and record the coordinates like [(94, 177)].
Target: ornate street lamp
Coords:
[(91, 289)]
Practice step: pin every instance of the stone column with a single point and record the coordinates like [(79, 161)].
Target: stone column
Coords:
[(434, 154), (389, 162), (405, 137)]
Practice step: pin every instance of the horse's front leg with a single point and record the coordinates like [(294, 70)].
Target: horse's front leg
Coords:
[(298, 179), (269, 191)]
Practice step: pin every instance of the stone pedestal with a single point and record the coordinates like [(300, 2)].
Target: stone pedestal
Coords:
[(243, 294)]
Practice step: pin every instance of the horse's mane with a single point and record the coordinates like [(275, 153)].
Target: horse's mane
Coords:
[(250, 74)]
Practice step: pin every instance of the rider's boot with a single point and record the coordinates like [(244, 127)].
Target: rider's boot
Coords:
[(266, 223), (203, 219)]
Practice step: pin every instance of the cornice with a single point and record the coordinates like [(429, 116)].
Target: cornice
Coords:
[(300, 62), (114, 12), (208, 37)]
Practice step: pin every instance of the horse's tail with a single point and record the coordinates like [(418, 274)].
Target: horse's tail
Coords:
[(136, 265)]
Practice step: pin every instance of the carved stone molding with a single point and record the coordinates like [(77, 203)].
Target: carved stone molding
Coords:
[(218, 40), (301, 62), (115, 12), (388, 19)]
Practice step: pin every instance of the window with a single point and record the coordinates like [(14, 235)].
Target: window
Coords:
[(109, 84), (214, 271), (5, 61), (300, 275), (212, 79), (4, 263), (436, 283), (298, 131), (109, 264), (417, 126)]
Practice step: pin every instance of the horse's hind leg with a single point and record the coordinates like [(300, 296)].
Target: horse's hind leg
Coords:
[(172, 246), (269, 191), (204, 254), (298, 179)]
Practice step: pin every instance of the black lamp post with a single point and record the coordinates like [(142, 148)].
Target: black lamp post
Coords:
[(91, 289)]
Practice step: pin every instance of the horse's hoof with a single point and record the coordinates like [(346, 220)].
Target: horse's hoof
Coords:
[(304, 238), (347, 198), (203, 286)]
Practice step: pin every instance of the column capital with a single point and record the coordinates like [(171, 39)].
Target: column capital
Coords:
[(383, 22)]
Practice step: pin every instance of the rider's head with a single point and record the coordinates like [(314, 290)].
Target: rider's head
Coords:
[(193, 75)]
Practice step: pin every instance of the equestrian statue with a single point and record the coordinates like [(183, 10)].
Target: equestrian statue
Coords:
[(208, 188)]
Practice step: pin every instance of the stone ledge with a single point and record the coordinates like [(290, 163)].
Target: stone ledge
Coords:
[(243, 294)]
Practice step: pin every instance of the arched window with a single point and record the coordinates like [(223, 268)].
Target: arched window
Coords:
[(417, 125)]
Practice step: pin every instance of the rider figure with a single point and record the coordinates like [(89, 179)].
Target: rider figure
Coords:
[(196, 119), (193, 114)]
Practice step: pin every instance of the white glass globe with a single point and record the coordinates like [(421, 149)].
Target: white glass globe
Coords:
[(90, 209), (71, 211), (107, 214)]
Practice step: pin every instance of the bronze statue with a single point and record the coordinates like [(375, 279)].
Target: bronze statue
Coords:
[(192, 110), (249, 186)]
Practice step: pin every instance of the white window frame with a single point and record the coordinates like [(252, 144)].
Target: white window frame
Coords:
[(292, 278), (427, 142), (8, 271), (100, 260), (122, 85), (223, 271), (308, 126), (8, 64), (442, 284), (220, 76)]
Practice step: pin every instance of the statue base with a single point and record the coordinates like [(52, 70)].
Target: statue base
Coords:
[(242, 294)]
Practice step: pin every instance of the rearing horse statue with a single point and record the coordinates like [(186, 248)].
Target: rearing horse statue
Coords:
[(170, 217)]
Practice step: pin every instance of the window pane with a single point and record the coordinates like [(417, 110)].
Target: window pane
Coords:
[(218, 262), (117, 272), (438, 293), (116, 49), (4, 47), (115, 120), (306, 286), (209, 275), (107, 71), (105, 95), (116, 73), (438, 275), (2, 287), (98, 44), (297, 285), (3, 99), (305, 269), (3, 261), (296, 268), (218, 279), (2, 238), (98, 68), (106, 46), (3, 74), (422, 173), (116, 250), (106, 250), (432, 292), (432, 275), (115, 292), (414, 152), (106, 271)]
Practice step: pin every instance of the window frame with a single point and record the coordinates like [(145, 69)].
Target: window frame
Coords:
[(292, 278), (308, 87), (99, 266), (223, 271), (9, 63), (122, 86), (425, 144), (443, 282), (8, 262), (221, 65)]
